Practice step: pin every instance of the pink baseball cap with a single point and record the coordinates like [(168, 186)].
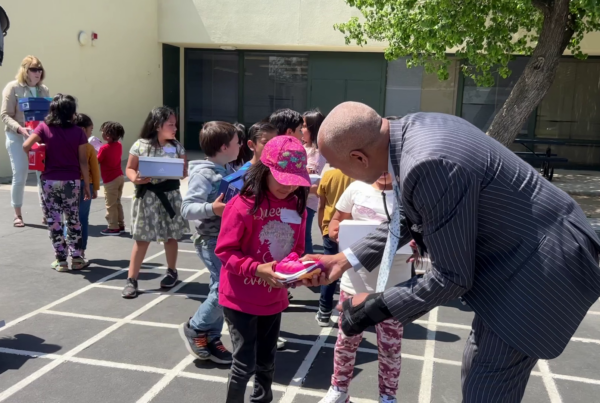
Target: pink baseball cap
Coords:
[(286, 158)]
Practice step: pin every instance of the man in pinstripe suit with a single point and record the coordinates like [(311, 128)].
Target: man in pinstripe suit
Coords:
[(517, 249)]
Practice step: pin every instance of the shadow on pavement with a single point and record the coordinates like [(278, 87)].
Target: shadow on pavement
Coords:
[(122, 264), (23, 342), (458, 305)]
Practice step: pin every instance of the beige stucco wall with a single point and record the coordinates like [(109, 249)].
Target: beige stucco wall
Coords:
[(119, 78), (257, 24)]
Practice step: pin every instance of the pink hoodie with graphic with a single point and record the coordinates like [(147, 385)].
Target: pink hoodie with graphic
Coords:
[(245, 241)]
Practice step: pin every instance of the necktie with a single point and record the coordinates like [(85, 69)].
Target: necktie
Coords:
[(391, 245)]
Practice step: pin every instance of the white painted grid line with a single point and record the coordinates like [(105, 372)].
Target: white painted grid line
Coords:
[(427, 373), (213, 378), (72, 295), (42, 371), (302, 372), (549, 382), (165, 380)]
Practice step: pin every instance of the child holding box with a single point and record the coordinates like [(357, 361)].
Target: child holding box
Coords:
[(203, 203), (156, 208)]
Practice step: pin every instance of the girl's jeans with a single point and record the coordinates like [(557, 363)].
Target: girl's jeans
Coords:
[(58, 198), (209, 316), (389, 344), (84, 217)]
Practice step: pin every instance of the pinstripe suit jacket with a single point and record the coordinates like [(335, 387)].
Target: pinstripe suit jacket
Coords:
[(516, 248)]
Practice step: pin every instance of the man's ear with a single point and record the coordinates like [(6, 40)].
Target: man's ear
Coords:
[(360, 158)]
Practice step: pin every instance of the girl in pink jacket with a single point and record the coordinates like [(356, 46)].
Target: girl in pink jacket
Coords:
[(261, 226)]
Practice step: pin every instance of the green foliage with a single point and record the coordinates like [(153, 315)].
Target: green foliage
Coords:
[(484, 33)]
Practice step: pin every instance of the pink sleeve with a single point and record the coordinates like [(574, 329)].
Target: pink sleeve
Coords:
[(229, 243), (301, 238)]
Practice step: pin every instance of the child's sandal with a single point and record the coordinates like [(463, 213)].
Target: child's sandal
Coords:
[(18, 222)]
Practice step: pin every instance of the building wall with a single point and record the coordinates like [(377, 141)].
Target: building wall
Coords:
[(118, 78), (258, 24)]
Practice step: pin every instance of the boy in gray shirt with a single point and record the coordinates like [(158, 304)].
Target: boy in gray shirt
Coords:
[(204, 205)]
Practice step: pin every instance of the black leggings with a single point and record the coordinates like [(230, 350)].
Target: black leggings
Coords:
[(254, 340)]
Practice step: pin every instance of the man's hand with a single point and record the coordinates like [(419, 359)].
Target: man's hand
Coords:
[(95, 194), (361, 311), (335, 266), (265, 272), (218, 206)]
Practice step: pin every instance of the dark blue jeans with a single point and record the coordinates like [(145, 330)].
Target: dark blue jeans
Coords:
[(84, 216), (327, 291), (308, 244)]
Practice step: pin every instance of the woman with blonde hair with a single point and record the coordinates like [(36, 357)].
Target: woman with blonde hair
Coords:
[(28, 83)]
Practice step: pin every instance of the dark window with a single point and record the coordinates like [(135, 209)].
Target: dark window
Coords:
[(211, 86), (480, 104), (273, 81)]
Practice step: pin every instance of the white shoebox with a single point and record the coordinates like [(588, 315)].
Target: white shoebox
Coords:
[(314, 179), (161, 168), (352, 231)]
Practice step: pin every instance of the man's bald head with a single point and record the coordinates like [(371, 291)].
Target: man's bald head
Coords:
[(349, 126), (355, 139)]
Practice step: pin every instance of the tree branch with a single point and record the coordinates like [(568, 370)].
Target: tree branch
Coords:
[(542, 5)]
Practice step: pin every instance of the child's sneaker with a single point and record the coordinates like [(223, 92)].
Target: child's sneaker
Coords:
[(111, 232), (323, 318), (78, 263), (122, 229), (281, 342), (169, 280), (60, 265), (387, 399), (291, 269), (196, 342), (131, 289), (335, 396), (218, 352)]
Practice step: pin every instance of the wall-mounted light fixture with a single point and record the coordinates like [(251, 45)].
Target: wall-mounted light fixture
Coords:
[(83, 38)]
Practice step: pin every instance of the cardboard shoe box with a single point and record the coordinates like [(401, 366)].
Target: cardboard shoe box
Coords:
[(161, 168), (352, 231), (232, 183)]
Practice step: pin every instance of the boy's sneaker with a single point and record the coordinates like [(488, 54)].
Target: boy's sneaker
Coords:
[(196, 342), (335, 396), (60, 265), (78, 263), (131, 288), (281, 343), (110, 232), (122, 229), (323, 318), (169, 280), (387, 399), (218, 352)]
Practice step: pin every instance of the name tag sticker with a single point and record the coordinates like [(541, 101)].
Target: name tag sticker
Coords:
[(170, 149), (290, 216)]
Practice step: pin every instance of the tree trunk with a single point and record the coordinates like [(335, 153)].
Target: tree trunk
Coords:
[(539, 73)]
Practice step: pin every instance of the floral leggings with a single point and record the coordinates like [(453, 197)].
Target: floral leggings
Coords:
[(58, 198), (389, 344)]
